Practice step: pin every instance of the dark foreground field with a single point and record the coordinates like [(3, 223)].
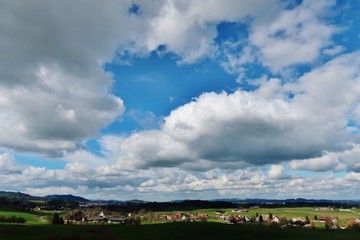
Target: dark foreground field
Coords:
[(167, 231)]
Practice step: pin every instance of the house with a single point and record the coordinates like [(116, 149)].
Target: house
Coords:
[(334, 219), (344, 210), (237, 220), (276, 219), (118, 220), (202, 215), (228, 218), (240, 210), (37, 209), (264, 218), (193, 218), (301, 219), (175, 217), (324, 209), (100, 218)]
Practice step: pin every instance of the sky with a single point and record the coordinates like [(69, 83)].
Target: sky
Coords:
[(180, 99)]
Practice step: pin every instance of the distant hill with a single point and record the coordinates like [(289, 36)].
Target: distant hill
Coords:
[(17, 196), (285, 201), (185, 204), (67, 197)]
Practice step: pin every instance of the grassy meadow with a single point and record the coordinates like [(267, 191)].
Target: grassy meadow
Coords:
[(289, 213), (38, 227), (172, 231), (32, 218)]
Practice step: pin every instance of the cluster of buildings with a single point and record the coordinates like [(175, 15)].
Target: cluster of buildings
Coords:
[(182, 217), (103, 218), (100, 218)]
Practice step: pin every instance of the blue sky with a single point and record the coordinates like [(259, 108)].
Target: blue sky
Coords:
[(180, 99)]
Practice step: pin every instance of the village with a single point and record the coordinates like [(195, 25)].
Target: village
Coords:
[(229, 216)]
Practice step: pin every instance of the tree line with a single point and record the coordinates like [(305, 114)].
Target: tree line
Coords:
[(12, 220)]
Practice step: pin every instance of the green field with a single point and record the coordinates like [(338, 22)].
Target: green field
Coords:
[(289, 213), (41, 217), (171, 231), (38, 227)]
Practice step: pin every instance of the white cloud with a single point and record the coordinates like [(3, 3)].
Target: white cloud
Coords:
[(297, 36), (147, 149), (330, 91), (277, 172), (146, 119), (85, 158), (228, 130), (220, 130), (44, 191), (323, 163), (228, 133), (334, 50), (332, 161), (54, 94), (54, 91), (57, 111), (8, 165), (352, 177), (174, 183), (188, 28), (57, 95)]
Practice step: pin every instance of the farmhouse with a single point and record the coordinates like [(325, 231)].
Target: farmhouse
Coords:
[(301, 219), (117, 220), (100, 218), (275, 219), (344, 210), (334, 219), (240, 210), (324, 209), (264, 218), (202, 215)]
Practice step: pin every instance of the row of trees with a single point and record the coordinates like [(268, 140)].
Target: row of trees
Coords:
[(21, 205), (133, 221), (57, 219), (12, 220), (75, 215)]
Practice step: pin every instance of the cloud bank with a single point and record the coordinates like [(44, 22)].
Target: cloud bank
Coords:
[(302, 114)]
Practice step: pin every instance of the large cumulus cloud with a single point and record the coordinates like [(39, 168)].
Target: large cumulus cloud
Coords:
[(231, 130), (300, 30), (54, 92)]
